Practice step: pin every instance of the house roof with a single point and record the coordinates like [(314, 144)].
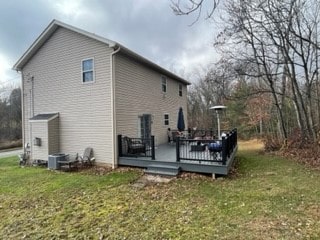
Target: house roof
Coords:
[(52, 27), (44, 117)]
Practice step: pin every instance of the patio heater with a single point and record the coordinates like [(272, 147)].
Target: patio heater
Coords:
[(218, 109)]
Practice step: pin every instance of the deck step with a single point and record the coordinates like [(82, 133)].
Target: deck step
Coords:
[(165, 170)]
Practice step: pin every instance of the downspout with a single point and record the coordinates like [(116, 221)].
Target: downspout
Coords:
[(114, 122), (22, 113), (31, 79)]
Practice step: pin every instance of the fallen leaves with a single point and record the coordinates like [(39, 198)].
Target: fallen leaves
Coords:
[(275, 201)]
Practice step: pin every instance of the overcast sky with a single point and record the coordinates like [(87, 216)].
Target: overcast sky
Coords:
[(148, 27)]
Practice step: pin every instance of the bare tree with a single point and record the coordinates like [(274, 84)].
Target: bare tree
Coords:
[(276, 47), (278, 37), (187, 7)]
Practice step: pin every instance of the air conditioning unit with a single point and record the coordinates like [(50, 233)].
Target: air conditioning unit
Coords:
[(53, 160)]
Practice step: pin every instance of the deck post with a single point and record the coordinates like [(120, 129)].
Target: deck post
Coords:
[(213, 176), (153, 153), (224, 150), (120, 145), (178, 149)]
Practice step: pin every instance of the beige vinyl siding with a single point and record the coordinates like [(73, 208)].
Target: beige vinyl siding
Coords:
[(85, 110), (48, 132), (53, 136), (40, 130), (138, 91)]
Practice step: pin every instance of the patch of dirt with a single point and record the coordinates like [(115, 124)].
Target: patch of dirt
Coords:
[(189, 175), (157, 178), (276, 228), (253, 144), (99, 170), (312, 211), (147, 180)]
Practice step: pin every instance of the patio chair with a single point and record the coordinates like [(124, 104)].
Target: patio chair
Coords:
[(87, 157), (135, 146), (176, 134)]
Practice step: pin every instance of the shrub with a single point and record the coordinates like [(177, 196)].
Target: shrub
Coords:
[(272, 143)]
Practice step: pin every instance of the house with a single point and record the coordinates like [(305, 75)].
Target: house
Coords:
[(80, 90)]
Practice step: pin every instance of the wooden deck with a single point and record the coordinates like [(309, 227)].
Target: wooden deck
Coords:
[(166, 155)]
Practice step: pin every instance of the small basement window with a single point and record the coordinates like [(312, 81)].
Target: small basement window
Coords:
[(87, 70), (180, 90), (166, 119), (164, 84)]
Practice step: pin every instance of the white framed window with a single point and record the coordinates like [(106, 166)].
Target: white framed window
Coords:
[(166, 119), (87, 69), (180, 90), (164, 84)]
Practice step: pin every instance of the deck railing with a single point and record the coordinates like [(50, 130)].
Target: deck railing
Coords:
[(136, 147), (199, 150), (191, 133), (206, 151)]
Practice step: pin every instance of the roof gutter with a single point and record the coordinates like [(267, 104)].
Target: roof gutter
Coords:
[(151, 64)]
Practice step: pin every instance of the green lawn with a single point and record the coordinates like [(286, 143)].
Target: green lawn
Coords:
[(268, 198)]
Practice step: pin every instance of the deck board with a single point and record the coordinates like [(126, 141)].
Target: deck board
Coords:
[(166, 153)]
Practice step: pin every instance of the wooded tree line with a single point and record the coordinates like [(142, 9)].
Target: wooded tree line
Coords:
[(10, 116), (269, 72)]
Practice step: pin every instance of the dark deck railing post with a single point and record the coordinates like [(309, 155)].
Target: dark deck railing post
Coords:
[(228, 144), (120, 145), (178, 149), (232, 141), (189, 133), (236, 136), (153, 152), (224, 150)]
